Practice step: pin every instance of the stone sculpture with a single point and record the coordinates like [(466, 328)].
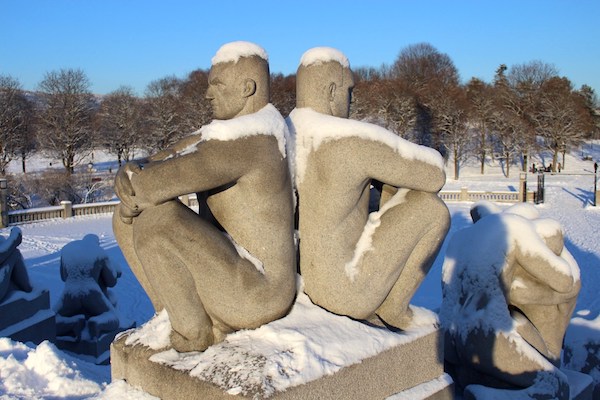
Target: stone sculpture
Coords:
[(215, 276), (509, 289), (25, 313), (86, 318), (13, 273), (354, 263), (85, 307)]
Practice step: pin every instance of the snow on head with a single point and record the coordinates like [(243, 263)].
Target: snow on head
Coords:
[(321, 55), (232, 52)]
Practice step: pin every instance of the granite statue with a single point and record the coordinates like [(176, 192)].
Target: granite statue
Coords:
[(363, 265), (232, 265), (509, 290)]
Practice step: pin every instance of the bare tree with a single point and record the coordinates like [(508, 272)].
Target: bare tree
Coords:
[(480, 107), (195, 108), (119, 123), (526, 81), (283, 92), (16, 114), (510, 128), (165, 123), (560, 116), (387, 102), (66, 118), (425, 72), (450, 119)]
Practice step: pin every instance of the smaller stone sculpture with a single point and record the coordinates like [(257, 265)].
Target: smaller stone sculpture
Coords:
[(236, 270), (88, 273), (13, 274), (86, 318), (509, 289), (25, 313), (355, 263)]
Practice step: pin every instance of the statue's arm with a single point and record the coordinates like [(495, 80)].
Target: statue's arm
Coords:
[(548, 268), (176, 149), (209, 166), (389, 166)]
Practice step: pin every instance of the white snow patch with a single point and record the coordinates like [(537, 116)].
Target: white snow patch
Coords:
[(424, 390), (233, 51), (41, 372), (321, 55), (365, 242), (303, 346), (245, 254), (311, 129), (154, 334), (266, 121)]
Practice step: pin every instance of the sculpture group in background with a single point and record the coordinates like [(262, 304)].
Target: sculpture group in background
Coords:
[(25, 313), (509, 284), (232, 266), (86, 318), (354, 263), (509, 289)]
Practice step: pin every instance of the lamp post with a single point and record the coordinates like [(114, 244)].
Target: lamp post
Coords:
[(595, 182)]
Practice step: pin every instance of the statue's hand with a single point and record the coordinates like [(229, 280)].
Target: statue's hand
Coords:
[(129, 208)]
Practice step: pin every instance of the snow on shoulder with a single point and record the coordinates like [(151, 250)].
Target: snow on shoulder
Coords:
[(311, 129), (267, 121), (321, 55), (232, 52)]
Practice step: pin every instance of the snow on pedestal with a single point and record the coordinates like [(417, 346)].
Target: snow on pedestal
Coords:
[(310, 351)]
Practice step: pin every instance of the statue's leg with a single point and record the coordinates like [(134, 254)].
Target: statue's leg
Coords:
[(164, 237), (20, 276), (403, 248), (510, 360), (124, 235)]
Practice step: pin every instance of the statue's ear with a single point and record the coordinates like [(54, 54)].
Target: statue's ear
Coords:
[(249, 88), (331, 90)]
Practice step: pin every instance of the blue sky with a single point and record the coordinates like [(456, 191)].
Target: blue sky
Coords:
[(132, 42)]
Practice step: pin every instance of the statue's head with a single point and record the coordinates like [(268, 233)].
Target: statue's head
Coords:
[(238, 82), (324, 82)]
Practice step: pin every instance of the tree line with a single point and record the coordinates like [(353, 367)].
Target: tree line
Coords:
[(527, 108)]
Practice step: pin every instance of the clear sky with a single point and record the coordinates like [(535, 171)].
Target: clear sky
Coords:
[(132, 42)]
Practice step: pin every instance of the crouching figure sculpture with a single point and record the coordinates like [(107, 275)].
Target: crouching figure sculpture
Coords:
[(509, 289), (366, 266), (236, 270)]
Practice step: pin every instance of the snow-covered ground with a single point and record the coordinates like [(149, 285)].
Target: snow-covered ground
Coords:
[(45, 372)]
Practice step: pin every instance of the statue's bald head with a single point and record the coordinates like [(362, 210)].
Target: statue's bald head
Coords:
[(238, 80), (324, 82)]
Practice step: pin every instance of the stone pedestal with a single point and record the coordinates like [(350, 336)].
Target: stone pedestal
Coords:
[(27, 317), (279, 361), (581, 385), (97, 349), (414, 367)]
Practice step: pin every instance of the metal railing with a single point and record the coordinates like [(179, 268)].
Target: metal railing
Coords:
[(68, 210)]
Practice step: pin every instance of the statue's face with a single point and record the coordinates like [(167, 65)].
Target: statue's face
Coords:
[(340, 105), (225, 91)]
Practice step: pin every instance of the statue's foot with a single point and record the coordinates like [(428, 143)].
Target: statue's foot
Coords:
[(398, 321), (185, 345)]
